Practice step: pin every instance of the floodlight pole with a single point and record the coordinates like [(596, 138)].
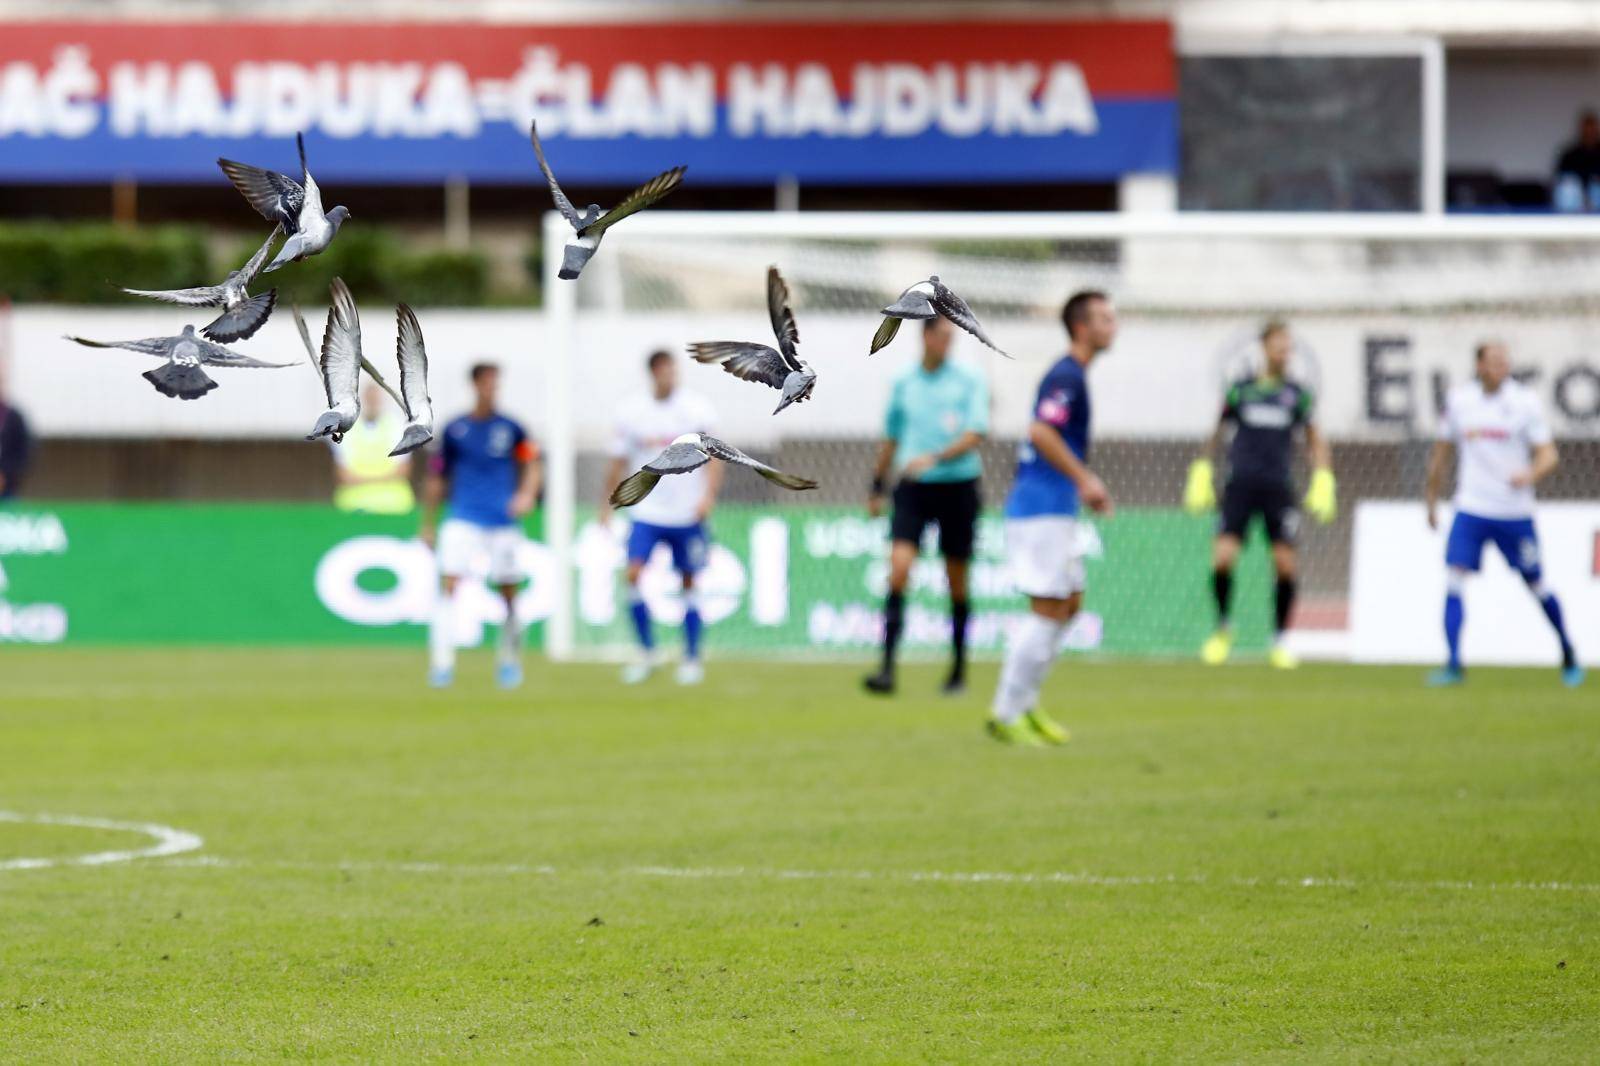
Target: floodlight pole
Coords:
[(560, 453)]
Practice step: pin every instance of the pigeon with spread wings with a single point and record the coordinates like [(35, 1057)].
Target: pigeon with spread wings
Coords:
[(592, 223), (339, 363), (182, 376), (242, 314), (690, 452), (413, 359), (924, 300), (781, 367), (294, 205)]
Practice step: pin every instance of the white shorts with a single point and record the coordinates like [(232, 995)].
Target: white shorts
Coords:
[(467, 549), (1046, 556)]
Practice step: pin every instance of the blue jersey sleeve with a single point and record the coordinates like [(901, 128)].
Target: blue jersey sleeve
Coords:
[(1058, 395)]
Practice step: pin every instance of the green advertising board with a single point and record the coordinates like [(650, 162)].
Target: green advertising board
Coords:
[(780, 581)]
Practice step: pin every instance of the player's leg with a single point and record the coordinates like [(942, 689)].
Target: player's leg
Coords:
[(1519, 543), (505, 573), (957, 532), (689, 556), (453, 552), (905, 536), (642, 539), (1048, 570), (1232, 522), (1462, 554), (1283, 524)]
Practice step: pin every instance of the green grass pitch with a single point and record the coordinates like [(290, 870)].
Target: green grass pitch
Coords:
[(1225, 864)]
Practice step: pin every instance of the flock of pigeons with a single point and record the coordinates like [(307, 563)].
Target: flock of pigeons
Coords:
[(295, 208)]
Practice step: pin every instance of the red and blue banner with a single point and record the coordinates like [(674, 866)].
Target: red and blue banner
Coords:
[(849, 102)]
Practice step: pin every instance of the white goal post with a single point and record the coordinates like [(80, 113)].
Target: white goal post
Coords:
[(1388, 308)]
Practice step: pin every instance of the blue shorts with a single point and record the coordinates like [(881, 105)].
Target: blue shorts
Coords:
[(688, 544), (1515, 537)]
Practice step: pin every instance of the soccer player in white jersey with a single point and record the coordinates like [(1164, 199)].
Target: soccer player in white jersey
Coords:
[(673, 514), (1506, 449)]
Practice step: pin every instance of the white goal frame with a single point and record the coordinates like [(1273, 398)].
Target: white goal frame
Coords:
[(561, 311)]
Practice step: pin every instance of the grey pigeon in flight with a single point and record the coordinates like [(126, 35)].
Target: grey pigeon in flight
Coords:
[(340, 366), (366, 366), (927, 299), (592, 224), (185, 355), (413, 359), (295, 205), (782, 368), (690, 452), (242, 314)]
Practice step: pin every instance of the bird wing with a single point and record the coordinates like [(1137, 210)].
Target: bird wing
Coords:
[(216, 355), (412, 357), (157, 346), (783, 325), (563, 204), (678, 459), (634, 488), (276, 197), (242, 321), (312, 207), (201, 296), (748, 362), (252, 269), (341, 347), (637, 200), (953, 307), (719, 449), (886, 333)]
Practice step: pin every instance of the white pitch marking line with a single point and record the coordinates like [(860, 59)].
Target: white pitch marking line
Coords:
[(168, 841), (960, 877)]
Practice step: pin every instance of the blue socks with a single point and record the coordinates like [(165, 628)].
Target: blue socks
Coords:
[(1552, 611), (691, 626), (1453, 615), (641, 620)]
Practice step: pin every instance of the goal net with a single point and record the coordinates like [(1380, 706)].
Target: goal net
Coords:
[(1385, 315)]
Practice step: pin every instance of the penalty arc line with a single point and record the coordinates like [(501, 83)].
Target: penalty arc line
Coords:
[(167, 841), (959, 877)]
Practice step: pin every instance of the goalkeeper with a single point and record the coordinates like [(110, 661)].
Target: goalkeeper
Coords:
[(1264, 412)]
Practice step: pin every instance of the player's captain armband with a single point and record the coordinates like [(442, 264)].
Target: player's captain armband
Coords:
[(1055, 408), (1322, 497), (1200, 493), (526, 452)]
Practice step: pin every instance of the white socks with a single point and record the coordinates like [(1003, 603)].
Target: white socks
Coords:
[(442, 633), (509, 649), (1028, 657)]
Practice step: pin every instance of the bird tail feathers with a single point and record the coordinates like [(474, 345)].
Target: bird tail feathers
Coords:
[(180, 382)]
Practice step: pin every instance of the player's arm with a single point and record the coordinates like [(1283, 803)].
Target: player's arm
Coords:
[(1438, 459), (1545, 461), (434, 488), (530, 479), (1049, 446), (1200, 489), (1321, 495), (893, 426)]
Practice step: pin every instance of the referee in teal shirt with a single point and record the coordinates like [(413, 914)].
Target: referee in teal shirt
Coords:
[(938, 415)]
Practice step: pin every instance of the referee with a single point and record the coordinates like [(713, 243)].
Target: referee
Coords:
[(938, 415)]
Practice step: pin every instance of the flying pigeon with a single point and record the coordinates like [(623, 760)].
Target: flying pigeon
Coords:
[(413, 360), (340, 365), (782, 368), (366, 366), (242, 314), (690, 452), (185, 354), (296, 206), (592, 224), (924, 300)]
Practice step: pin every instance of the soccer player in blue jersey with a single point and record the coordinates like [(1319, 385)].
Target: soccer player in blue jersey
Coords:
[(489, 470), (1053, 483), (1505, 447)]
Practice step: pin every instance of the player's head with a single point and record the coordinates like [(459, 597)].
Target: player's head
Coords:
[(1492, 363), (1277, 344), (937, 333), (663, 372), (1090, 319), (1589, 128), (485, 384)]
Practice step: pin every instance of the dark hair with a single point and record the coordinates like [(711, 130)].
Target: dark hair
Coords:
[(929, 323), (1273, 325), (1075, 312), (657, 357), (1482, 349), (480, 369)]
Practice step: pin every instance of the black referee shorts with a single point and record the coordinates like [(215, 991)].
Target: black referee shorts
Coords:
[(1242, 501), (953, 505)]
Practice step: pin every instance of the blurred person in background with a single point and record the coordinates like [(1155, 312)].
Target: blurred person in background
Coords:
[(674, 514), (369, 479), (1577, 184), (16, 446), (938, 415), (488, 469)]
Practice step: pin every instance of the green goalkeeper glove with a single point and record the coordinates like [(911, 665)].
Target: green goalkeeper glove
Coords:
[(1321, 497), (1199, 495)]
